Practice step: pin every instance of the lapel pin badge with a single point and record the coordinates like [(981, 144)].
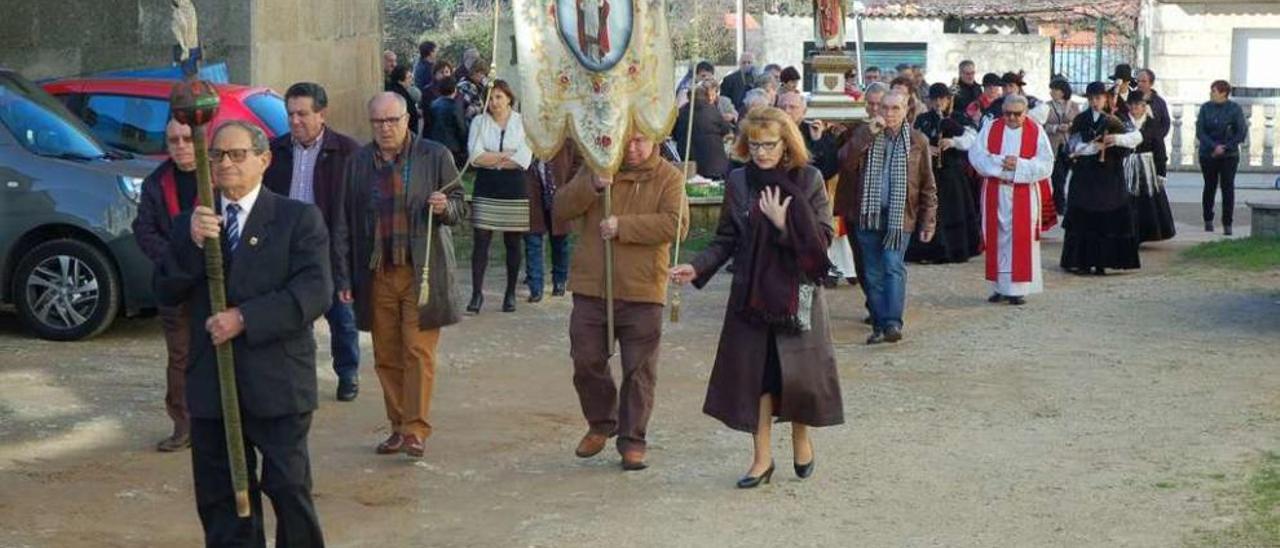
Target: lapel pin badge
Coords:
[(253, 240)]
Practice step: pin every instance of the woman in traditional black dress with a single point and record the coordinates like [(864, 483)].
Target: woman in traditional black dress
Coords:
[(1099, 223), (959, 234), (1144, 172)]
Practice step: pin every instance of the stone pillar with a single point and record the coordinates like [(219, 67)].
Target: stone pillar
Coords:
[(1246, 148), (1175, 154), (1269, 137)]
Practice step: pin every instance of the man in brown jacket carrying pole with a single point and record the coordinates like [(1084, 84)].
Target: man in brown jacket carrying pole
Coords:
[(647, 200)]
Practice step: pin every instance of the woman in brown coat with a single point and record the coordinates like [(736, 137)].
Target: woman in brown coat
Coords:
[(775, 356)]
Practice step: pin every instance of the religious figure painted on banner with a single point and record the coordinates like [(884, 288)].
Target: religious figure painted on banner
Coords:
[(596, 31), (828, 22)]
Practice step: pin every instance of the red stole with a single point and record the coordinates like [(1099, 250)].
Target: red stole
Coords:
[(1022, 229)]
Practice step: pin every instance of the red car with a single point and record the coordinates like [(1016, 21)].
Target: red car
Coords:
[(130, 114)]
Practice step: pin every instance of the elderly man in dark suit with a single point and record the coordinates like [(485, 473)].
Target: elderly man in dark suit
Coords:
[(306, 165), (278, 282)]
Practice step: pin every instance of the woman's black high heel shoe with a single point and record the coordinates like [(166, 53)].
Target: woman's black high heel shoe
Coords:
[(477, 300), (805, 470), (509, 301), (751, 482)]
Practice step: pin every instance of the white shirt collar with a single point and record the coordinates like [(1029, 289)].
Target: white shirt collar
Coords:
[(245, 203)]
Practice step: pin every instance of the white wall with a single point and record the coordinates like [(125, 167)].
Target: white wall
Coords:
[(1192, 42), (784, 38)]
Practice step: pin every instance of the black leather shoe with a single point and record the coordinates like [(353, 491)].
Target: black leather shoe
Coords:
[(557, 290), (1226, 230), (803, 471), (892, 334), (1208, 226), (509, 302), (751, 482), (477, 300), (535, 297), (1017, 301), (1099, 271), (348, 390), (995, 298)]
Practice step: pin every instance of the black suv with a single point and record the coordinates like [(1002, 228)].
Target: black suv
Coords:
[(68, 260)]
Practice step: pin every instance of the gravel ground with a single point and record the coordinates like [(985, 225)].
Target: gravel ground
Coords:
[(1115, 411)]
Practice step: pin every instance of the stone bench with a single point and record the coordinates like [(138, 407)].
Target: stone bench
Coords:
[(1264, 219)]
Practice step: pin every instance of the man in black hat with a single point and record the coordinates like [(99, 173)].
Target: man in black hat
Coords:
[(1119, 91)]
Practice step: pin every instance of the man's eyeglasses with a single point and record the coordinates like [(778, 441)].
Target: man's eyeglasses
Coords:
[(763, 146), (1008, 114), (237, 155), (179, 139), (384, 122)]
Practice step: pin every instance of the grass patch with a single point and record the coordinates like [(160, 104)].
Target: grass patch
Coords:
[(1253, 254), (1259, 524)]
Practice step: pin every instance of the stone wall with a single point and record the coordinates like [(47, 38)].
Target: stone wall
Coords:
[(264, 42), (784, 38), (336, 43)]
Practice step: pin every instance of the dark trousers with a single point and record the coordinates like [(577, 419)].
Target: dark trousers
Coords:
[(480, 258), (638, 327), (285, 478), (344, 340), (1219, 172), (535, 265), (177, 340), (859, 265)]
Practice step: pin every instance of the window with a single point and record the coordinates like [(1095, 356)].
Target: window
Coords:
[(132, 124), (40, 124), (1253, 58), (270, 108)]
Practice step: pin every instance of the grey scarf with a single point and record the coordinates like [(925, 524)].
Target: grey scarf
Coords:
[(873, 182)]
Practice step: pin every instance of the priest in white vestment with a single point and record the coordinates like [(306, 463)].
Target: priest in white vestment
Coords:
[(1015, 159)]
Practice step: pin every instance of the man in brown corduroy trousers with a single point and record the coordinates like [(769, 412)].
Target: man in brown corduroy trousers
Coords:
[(648, 199)]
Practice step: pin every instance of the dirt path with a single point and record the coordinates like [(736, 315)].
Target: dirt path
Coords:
[(1108, 412)]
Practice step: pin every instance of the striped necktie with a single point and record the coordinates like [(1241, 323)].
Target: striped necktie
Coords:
[(232, 226)]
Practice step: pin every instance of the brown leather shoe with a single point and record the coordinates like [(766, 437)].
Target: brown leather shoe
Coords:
[(393, 444), (174, 443), (413, 446), (591, 445), (633, 459)]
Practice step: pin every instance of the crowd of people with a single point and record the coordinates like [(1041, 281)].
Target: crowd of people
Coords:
[(935, 173)]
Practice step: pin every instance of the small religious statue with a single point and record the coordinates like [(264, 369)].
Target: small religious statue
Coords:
[(593, 29), (828, 24)]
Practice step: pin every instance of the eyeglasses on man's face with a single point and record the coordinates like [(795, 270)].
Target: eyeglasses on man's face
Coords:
[(386, 122), (237, 155)]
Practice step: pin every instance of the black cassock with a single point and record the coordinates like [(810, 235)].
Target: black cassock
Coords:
[(959, 229), (1099, 223)]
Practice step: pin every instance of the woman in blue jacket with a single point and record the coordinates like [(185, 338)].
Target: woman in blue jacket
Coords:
[(1220, 128)]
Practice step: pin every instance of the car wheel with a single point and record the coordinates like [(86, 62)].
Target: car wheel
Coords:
[(66, 290)]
